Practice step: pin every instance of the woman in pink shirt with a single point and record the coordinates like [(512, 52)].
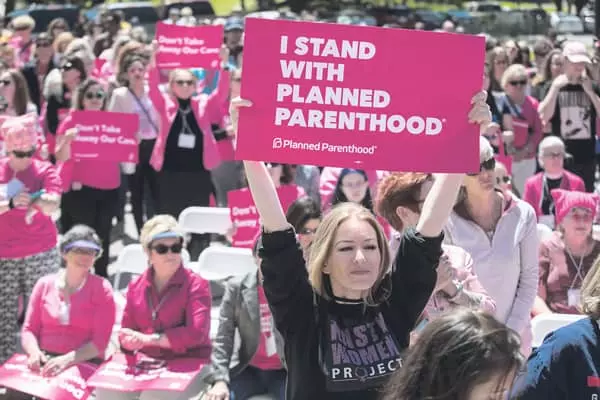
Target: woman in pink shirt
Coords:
[(167, 314), (91, 187), (29, 193), (71, 313)]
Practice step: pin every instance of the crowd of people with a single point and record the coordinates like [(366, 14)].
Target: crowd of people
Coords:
[(371, 284)]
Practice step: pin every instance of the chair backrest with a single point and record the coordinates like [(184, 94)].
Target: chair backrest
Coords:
[(543, 324), (133, 260), (205, 220), (221, 262)]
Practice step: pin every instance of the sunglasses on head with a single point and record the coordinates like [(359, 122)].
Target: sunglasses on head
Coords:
[(164, 249), (487, 165), (23, 154), (518, 83), (99, 95), (184, 82)]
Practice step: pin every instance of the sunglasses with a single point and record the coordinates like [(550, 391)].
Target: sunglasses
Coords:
[(164, 249), (488, 165), (23, 154), (99, 95), (518, 83), (67, 67), (5, 82), (182, 82), (503, 179), (84, 252), (43, 44)]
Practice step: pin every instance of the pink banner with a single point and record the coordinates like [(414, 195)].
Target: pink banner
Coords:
[(341, 96), (188, 47), (245, 216), (105, 136), (69, 385), (129, 373)]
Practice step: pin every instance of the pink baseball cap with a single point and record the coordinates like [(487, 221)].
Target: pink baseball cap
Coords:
[(576, 52)]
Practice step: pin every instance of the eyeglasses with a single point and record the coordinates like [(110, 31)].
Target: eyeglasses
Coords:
[(164, 249), (99, 95), (487, 165), (23, 154), (581, 215), (502, 179), (556, 154), (307, 231), (518, 83), (5, 82), (184, 82)]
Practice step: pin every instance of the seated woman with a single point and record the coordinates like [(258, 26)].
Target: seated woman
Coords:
[(487, 351), (259, 369), (401, 197), (551, 157), (58, 331), (167, 314), (568, 254), (565, 366)]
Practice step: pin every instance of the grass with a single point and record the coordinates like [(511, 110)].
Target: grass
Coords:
[(225, 7)]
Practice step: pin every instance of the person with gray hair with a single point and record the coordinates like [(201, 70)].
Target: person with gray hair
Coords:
[(59, 331), (500, 233), (551, 157)]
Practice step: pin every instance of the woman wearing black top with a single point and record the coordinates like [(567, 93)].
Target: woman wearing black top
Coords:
[(344, 327)]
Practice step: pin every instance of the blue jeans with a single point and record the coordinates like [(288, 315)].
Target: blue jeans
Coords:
[(253, 381)]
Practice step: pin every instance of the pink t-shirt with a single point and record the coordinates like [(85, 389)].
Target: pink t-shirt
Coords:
[(19, 239), (266, 357), (90, 315), (95, 174)]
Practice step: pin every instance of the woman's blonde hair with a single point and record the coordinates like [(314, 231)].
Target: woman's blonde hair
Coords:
[(155, 226), (323, 244), (515, 70), (62, 41), (590, 291)]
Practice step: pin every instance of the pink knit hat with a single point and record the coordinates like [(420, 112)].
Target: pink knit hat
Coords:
[(19, 133), (566, 200)]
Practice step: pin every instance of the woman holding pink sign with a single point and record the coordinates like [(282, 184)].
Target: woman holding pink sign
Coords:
[(29, 194), (346, 319), (167, 315), (91, 187)]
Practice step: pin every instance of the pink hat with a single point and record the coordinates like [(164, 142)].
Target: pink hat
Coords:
[(19, 133), (576, 52), (566, 200)]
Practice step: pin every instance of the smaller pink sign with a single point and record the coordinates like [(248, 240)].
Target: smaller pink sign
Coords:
[(98, 64), (244, 214), (134, 373), (68, 385), (188, 47), (105, 136)]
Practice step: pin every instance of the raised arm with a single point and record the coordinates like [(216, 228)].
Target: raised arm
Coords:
[(260, 183), (443, 193)]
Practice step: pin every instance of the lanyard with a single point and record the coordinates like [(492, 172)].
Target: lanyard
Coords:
[(158, 307), (578, 268)]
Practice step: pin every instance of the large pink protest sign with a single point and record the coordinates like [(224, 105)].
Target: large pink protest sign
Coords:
[(126, 373), (244, 214), (188, 47), (354, 96), (68, 385), (105, 136)]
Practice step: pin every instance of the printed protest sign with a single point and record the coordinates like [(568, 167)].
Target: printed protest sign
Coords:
[(127, 373), (244, 214), (105, 136), (353, 96), (68, 385), (188, 47)]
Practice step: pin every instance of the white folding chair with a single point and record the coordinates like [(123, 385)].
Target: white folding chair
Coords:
[(201, 220), (133, 260), (543, 324), (221, 262)]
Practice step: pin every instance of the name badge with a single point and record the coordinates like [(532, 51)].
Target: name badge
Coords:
[(271, 346), (574, 297), (186, 141)]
